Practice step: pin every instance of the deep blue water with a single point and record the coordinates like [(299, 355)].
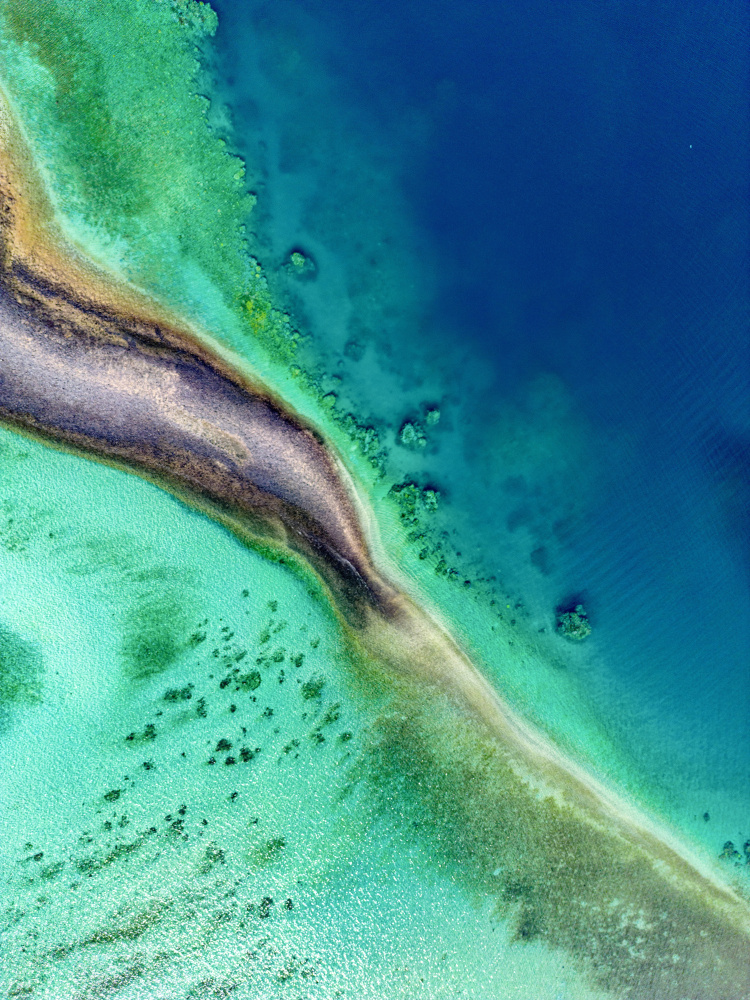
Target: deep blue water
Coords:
[(584, 191)]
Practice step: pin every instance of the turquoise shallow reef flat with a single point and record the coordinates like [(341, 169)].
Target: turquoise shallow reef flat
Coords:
[(194, 798), (94, 103), (212, 787)]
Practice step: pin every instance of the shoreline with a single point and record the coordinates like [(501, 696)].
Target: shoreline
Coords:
[(75, 345), (591, 793), (66, 326)]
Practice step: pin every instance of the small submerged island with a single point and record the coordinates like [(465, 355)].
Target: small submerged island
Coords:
[(301, 265)]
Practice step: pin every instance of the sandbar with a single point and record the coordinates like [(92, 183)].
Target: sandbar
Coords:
[(94, 367)]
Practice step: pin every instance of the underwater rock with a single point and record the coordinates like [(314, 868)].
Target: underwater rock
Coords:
[(729, 852), (574, 624), (354, 349), (300, 265), (412, 436)]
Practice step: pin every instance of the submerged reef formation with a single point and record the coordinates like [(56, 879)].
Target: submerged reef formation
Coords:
[(89, 365), (300, 265), (574, 624)]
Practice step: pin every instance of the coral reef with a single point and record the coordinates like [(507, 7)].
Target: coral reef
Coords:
[(300, 265), (574, 624)]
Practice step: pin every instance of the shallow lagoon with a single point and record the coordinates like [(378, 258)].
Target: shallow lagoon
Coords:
[(187, 752)]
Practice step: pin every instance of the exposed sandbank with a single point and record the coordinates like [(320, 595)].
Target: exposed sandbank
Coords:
[(88, 365), (92, 368)]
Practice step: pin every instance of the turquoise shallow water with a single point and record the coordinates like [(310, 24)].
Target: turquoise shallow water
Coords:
[(182, 805), (158, 842)]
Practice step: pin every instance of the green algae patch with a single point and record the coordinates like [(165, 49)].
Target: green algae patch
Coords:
[(313, 687), (266, 854), (130, 926), (21, 672), (154, 635)]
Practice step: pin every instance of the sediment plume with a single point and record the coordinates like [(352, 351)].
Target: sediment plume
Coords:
[(89, 365)]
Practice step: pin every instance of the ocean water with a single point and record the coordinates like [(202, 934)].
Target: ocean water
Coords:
[(527, 309), (536, 219)]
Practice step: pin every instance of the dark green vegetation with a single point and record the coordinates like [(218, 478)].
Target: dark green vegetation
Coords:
[(152, 635), (21, 674), (157, 601)]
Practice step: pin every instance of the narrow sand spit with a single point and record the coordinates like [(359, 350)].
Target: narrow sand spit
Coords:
[(418, 644), (95, 368)]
